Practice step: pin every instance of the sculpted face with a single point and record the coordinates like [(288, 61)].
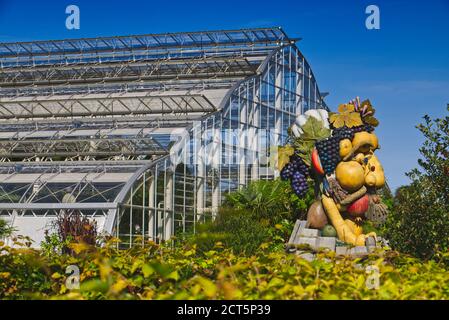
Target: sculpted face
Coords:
[(359, 174), (359, 165)]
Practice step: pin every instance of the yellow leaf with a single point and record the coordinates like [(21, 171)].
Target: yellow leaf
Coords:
[(354, 120), (209, 288), (229, 291), (79, 247), (338, 122), (346, 108), (174, 275), (56, 275), (118, 286), (105, 270), (284, 154)]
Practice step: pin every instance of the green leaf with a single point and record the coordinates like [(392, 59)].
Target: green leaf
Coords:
[(304, 148), (147, 270), (314, 129), (95, 285), (173, 275)]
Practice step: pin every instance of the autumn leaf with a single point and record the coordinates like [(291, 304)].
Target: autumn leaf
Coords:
[(79, 247), (119, 285), (349, 119), (336, 120), (371, 121), (353, 120), (346, 108), (284, 154)]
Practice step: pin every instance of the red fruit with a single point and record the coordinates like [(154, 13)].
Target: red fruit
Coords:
[(316, 163), (358, 207)]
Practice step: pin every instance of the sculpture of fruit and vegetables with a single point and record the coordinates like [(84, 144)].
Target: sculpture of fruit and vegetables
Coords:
[(336, 150), (316, 216), (358, 207), (328, 231)]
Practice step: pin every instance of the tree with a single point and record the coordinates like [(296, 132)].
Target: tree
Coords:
[(419, 223)]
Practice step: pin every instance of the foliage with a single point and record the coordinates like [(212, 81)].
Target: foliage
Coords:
[(273, 200), (313, 130), (264, 211), (5, 229), (419, 222), (70, 226), (284, 154), (159, 272), (52, 244), (347, 116), (367, 113), (241, 231)]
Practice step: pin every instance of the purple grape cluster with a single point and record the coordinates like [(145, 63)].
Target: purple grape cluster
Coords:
[(329, 152), (348, 133), (297, 171), (299, 184)]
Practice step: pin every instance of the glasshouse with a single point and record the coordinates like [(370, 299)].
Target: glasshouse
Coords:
[(145, 133)]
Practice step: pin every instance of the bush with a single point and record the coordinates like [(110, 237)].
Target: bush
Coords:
[(419, 221), (5, 229), (241, 231), (262, 212), (273, 200), (159, 272), (70, 226)]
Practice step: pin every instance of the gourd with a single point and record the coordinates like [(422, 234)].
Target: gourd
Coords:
[(345, 147), (350, 175), (374, 173), (316, 217)]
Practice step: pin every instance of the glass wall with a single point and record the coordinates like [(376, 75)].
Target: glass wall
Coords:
[(220, 153)]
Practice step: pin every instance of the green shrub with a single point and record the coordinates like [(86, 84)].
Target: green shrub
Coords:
[(159, 272), (5, 229), (262, 212), (273, 200), (240, 230), (419, 221)]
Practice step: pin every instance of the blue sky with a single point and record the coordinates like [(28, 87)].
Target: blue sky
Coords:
[(403, 67)]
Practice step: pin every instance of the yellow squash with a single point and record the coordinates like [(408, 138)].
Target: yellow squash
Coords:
[(347, 230)]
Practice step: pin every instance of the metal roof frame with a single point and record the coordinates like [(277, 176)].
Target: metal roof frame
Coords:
[(90, 168), (201, 39), (103, 106), (144, 70)]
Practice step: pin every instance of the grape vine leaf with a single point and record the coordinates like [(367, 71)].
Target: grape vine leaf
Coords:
[(371, 121), (304, 149), (349, 119), (342, 108), (284, 154), (369, 107), (313, 130)]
